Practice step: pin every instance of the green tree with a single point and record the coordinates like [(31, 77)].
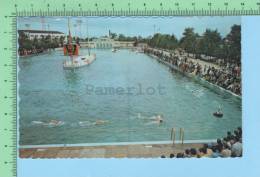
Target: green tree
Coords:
[(189, 40), (163, 41), (61, 40), (36, 43), (211, 41), (121, 37), (233, 43), (113, 35), (24, 42)]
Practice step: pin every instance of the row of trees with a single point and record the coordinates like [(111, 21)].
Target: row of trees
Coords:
[(43, 43), (210, 43), (122, 37), (165, 41)]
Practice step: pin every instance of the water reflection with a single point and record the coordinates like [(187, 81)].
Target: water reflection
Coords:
[(72, 77)]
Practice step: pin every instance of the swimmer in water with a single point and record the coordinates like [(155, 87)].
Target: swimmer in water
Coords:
[(100, 122), (51, 123), (88, 123), (55, 123), (157, 119), (37, 122)]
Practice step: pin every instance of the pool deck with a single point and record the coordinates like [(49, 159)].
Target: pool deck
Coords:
[(107, 151)]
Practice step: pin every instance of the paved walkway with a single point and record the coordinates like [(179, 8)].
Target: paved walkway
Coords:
[(201, 62), (108, 151)]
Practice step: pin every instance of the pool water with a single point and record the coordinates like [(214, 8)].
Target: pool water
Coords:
[(58, 106)]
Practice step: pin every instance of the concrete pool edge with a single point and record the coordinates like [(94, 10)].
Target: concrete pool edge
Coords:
[(154, 149), (117, 144), (202, 81)]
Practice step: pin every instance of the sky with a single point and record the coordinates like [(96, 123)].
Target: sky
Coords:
[(130, 26)]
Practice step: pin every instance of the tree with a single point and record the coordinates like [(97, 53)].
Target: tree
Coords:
[(27, 44), (121, 37), (24, 42), (48, 42), (113, 35), (233, 43), (211, 41), (36, 43), (163, 41), (55, 42), (77, 40), (188, 41), (61, 40)]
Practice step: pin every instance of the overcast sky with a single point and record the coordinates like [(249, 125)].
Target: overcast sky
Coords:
[(130, 26)]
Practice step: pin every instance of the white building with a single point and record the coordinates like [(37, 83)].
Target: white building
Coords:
[(39, 33), (142, 45), (106, 42)]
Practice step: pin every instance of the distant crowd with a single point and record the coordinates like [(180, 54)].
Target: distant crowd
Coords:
[(28, 52), (229, 146), (227, 77)]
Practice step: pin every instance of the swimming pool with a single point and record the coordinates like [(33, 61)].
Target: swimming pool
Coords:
[(123, 90)]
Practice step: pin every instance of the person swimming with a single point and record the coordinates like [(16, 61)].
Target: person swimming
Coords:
[(157, 119), (55, 123), (51, 123), (100, 122), (88, 123)]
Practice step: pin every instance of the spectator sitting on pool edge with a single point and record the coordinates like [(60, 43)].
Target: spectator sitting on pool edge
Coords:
[(221, 148), (187, 153), (171, 155)]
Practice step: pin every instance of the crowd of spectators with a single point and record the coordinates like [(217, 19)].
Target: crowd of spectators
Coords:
[(24, 52), (227, 76), (229, 146)]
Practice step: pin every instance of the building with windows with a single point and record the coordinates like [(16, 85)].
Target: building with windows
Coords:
[(39, 33), (142, 45), (106, 43)]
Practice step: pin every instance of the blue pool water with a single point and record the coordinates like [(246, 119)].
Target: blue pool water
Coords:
[(77, 99)]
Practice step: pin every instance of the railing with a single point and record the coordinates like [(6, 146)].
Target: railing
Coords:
[(181, 135)]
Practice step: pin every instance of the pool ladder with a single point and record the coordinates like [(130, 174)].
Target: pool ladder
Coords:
[(173, 135)]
